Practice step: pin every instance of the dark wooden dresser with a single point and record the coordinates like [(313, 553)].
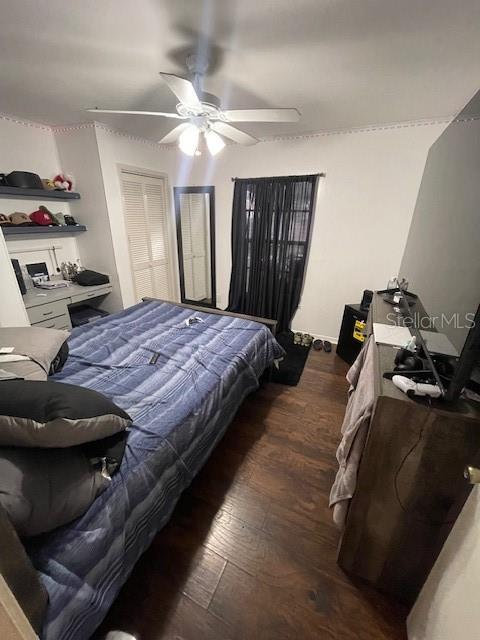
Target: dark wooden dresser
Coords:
[(410, 486)]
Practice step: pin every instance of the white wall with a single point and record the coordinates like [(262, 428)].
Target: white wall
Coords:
[(30, 147), (115, 150), (364, 208), (364, 205), (12, 309), (40, 249), (24, 147), (78, 152), (447, 607), (27, 147)]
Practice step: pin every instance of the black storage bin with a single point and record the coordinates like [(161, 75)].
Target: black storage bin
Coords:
[(83, 314), (348, 346)]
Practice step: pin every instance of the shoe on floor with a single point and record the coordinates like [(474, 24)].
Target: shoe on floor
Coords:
[(317, 345), (297, 338), (327, 346), (306, 340)]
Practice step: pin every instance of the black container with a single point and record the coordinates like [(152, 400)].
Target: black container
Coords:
[(367, 298), (348, 346), (19, 276), (84, 314), (24, 180)]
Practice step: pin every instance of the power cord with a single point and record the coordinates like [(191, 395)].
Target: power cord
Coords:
[(395, 483)]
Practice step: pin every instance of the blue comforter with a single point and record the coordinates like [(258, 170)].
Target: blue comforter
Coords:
[(181, 405)]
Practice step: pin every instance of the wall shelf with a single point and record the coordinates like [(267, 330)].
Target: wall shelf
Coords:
[(41, 231), (37, 194)]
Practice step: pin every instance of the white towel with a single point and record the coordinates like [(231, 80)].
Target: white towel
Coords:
[(354, 431), (12, 357)]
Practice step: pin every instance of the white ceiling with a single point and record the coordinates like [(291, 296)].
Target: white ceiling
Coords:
[(343, 63)]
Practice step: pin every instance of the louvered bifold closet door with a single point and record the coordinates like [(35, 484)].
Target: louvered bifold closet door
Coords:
[(146, 210), (156, 207)]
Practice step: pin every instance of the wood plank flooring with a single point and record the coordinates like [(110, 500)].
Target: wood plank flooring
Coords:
[(250, 550)]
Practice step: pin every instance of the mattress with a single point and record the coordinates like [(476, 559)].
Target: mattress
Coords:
[(181, 375)]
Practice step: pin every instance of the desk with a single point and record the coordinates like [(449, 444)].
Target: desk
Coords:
[(50, 308)]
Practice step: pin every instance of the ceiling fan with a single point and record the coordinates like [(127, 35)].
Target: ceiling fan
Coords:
[(202, 114)]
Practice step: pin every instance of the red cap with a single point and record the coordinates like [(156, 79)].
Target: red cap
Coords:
[(42, 216)]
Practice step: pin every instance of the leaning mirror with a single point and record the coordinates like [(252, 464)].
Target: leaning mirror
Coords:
[(195, 218)]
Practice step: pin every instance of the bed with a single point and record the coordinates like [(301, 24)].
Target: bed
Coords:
[(181, 374)]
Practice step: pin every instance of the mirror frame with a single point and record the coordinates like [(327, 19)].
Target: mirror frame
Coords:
[(177, 192)]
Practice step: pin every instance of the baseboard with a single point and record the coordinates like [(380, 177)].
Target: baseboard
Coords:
[(318, 336)]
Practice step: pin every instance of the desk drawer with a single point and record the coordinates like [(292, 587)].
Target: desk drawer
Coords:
[(47, 311), (88, 295), (60, 322)]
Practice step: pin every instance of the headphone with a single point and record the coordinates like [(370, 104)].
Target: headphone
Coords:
[(406, 360)]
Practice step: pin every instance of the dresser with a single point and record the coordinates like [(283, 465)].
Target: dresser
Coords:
[(410, 485)]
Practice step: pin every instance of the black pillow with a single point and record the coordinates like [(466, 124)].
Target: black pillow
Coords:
[(37, 413)]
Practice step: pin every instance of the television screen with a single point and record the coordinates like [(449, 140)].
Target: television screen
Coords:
[(442, 255)]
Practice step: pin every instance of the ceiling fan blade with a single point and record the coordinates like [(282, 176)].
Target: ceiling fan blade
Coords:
[(174, 134), (232, 133), (138, 113), (262, 115), (183, 89)]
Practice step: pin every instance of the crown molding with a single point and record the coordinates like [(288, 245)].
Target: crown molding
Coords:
[(299, 136), (99, 126), (67, 128), (129, 136), (352, 130), (405, 124), (25, 123)]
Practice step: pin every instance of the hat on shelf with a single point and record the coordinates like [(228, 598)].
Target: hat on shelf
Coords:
[(42, 217), (48, 184), (18, 217), (4, 219), (59, 218)]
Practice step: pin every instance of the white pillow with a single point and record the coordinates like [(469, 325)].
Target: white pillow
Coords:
[(38, 344)]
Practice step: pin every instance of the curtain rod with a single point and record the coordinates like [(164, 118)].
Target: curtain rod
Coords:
[(319, 175)]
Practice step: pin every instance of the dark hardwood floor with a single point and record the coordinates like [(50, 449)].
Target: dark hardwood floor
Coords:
[(249, 553)]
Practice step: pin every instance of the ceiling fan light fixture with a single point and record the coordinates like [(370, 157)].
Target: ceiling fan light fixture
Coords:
[(202, 113), (188, 140), (214, 142)]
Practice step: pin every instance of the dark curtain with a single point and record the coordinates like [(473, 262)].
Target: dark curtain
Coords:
[(271, 223)]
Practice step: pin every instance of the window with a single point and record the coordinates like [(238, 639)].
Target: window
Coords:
[(146, 220), (285, 235), (271, 224)]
